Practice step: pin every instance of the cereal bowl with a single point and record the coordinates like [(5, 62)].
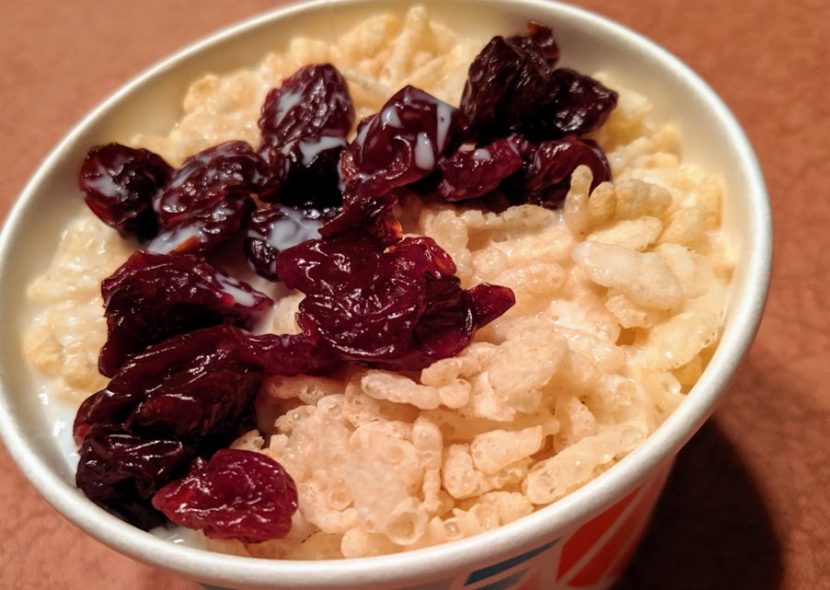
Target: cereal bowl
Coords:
[(581, 540)]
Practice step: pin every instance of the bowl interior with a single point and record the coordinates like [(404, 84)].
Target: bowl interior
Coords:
[(151, 102)]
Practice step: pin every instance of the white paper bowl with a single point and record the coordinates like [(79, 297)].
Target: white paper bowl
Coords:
[(556, 547)]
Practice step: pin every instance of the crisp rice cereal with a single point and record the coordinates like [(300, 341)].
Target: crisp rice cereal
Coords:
[(620, 299)]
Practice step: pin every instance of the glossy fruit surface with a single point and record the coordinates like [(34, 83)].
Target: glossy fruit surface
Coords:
[(397, 309), (119, 185), (235, 495), (154, 296)]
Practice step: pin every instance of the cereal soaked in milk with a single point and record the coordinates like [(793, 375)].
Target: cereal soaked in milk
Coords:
[(619, 303), (68, 333)]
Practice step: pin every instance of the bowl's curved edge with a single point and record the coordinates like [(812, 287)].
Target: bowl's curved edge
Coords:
[(662, 444)]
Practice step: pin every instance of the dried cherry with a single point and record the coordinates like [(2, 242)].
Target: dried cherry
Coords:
[(397, 309), (195, 386), (82, 424), (373, 215), (508, 81), (580, 105), (547, 174), (154, 296), (291, 354), (275, 229), (207, 179), (120, 472), (119, 185), (395, 147), (235, 495), (304, 173), (476, 172), (206, 229), (188, 396), (199, 385), (304, 125), (314, 101), (490, 302), (400, 144), (539, 40), (330, 265)]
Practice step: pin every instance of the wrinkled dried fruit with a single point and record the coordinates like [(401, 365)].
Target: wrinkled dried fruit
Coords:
[(547, 176), (154, 296), (402, 309), (416, 256), (508, 81), (207, 179), (235, 495), (291, 354), (210, 376), (314, 101), (329, 265), (374, 215), (450, 319), (120, 472), (304, 125), (187, 396), (400, 144), (196, 386), (204, 230), (539, 40), (393, 148), (208, 399), (476, 172), (119, 185), (372, 323), (273, 230), (580, 105)]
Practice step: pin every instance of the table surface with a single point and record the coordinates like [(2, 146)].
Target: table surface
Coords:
[(747, 506)]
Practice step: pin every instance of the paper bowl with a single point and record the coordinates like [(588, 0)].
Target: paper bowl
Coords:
[(581, 541)]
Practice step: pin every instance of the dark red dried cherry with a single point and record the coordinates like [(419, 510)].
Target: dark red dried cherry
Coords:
[(235, 495), (193, 386), (547, 176), (474, 173), (275, 229), (205, 229), (291, 354), (120, 472), (190, 395), (207, 179), (119, 185), (199, 385), (580, 105), (304, 173), (373, 215), (314, 101), (508, 81), (395, 147), (539, 40), (399, 309), (400, 144), (304, 126), (154, 296)]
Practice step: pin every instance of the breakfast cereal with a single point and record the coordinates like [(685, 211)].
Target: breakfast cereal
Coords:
[(620, 299)]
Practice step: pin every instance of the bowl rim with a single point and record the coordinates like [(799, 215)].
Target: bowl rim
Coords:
[(566, 512)]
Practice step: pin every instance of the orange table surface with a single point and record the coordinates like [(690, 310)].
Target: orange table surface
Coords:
[(748, 505)]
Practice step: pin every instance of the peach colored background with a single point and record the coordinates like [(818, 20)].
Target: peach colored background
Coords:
[(748, 505)]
